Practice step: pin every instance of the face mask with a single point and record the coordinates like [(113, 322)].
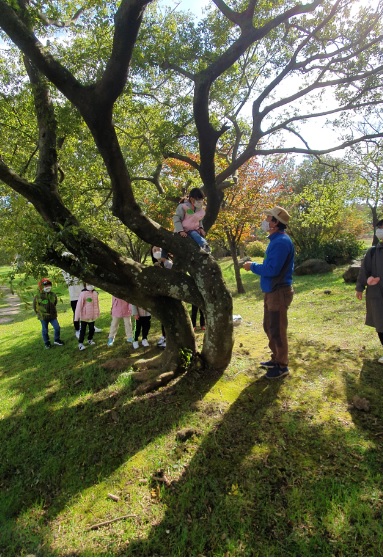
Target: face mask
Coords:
[(90, 288), (157, 255), (48, 289), (265, 226), (198, 204), (379, 234)]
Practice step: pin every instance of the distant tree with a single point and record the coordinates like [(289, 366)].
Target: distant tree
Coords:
[(366, 172), (242, 208)]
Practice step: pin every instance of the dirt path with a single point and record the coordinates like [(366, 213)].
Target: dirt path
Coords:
[(12, 305)]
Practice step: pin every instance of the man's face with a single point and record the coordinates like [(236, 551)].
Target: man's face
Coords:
[(272, 224)]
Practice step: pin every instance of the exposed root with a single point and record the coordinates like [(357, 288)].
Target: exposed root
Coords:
[(117, 364), (155, 383)]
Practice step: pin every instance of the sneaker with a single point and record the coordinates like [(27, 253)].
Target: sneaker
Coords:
[(110, 341), (207, 249), (81, 347), (162, 346), (276, 372), (91, 342), (268, 364), (145, 343), (135, 345), (48, 345), (380, 360), (77, 333), (161, 340), (203, 328), (129, 340), (59, 342), (97, 329)]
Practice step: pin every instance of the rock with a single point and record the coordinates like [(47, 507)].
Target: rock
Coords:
[(351, 274), (361, 403), (310, 267)]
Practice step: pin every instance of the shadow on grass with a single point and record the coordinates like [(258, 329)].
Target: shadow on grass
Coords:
[(52, 449), (274, 478)]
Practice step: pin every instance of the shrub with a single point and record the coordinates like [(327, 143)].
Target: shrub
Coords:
[(339, 252), (342, 250), (255, 249)]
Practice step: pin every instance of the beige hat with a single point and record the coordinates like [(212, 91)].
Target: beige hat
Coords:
[(279, 213)]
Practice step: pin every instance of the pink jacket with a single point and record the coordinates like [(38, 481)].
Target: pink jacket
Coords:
[(120, 308), (187, 219), (87, 308)]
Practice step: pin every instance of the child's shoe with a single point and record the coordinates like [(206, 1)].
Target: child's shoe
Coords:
[(110, 341), (135, 344), (97, 329), (91, 342), (59, 342), (145, 343), (203, 328), (207, 249), (77, 333), (161, 340), (48, 345), (129, 340), (163, 345), (81, 347)]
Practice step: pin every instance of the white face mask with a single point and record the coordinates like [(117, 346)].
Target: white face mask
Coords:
[(379, 234), (198, 204), (157, 255), (47, 289), (265, 226), (90, 288)]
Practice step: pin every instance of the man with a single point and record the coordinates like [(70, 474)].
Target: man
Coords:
[(276, 283)]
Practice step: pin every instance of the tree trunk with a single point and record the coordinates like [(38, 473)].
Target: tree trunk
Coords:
[(237, 272)]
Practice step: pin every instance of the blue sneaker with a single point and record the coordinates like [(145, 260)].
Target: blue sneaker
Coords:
[(268, 364), (276, 372), (110, 341)]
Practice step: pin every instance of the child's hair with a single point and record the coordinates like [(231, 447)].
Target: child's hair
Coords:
[(44, 282), (196, 193)]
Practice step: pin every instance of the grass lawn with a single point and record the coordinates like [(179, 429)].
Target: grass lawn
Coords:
[(229, 465)]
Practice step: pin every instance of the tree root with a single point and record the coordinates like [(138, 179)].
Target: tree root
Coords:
[(155, 372)]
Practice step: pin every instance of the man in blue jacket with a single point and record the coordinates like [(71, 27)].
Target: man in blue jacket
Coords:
[(276, 273)]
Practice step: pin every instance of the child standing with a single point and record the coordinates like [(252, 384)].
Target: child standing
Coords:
[(143, 318), (75, 286), (87, 311), (188, 218), (120, 309), (44, 304)]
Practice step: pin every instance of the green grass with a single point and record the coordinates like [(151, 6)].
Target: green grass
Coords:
[(286, 468)]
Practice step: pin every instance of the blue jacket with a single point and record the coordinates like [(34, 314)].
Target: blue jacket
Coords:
[(279, 253)]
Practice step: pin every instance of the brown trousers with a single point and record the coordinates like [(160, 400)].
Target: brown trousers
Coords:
[(275, 322)]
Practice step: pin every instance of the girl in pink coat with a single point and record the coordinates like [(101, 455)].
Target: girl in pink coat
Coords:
[(120, 310), (87, 311)]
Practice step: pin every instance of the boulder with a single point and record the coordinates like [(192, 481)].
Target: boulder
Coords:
[(310, 267), (351, 274)]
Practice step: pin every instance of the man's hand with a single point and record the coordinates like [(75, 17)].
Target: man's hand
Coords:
[(359, 295), (246, 266)]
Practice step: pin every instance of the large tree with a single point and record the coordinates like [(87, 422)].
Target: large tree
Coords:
[(150, 86)]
